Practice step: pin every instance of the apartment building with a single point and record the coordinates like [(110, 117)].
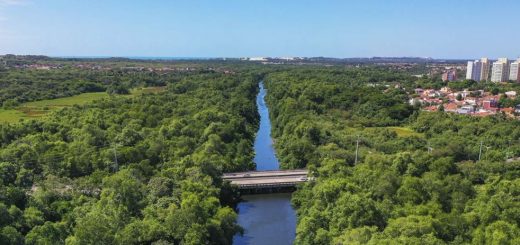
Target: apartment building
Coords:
[(514, 71), (486, 67), (450, 75), (474, 70), (500, 71)]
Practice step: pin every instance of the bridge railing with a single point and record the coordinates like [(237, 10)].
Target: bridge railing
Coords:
[(269, 185)]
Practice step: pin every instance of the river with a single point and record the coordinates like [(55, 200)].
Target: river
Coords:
[(266, 218)]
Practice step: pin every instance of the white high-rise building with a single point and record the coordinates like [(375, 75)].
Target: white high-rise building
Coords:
[(477, 70), (469, 70), (514, 71), (486, 67), (500, 71), (474, 70)]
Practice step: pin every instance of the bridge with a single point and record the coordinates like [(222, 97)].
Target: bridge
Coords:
[(270, 180)]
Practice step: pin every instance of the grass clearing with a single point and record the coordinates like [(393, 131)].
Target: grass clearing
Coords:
[(79, 99), (404, 132), (37, 109), (11, 116), (148, 90), (400, 131)]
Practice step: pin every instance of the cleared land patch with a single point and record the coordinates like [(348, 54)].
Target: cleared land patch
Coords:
[(37, 109), (404, 132)]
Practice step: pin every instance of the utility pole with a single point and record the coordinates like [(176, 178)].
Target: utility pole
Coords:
[(487, 148), (116, 168), (480, 151), (357, 150), (508, 149)]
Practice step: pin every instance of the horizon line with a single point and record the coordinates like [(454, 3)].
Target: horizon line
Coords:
[(137, 57)]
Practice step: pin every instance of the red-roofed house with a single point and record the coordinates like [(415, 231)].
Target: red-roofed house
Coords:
[(431, 108), (452, 107), (509, 111)]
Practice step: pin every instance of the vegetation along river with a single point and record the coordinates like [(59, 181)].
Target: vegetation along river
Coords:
[(266, 218)]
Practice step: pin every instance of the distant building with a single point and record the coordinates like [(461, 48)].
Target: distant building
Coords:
[(514, 71), (450, 75), (445, 90), (500, 72), (470, 71), (451, 107), (474, 70), (466, 110), (489, 104), (510, 93), (485, 68), (257, 59)]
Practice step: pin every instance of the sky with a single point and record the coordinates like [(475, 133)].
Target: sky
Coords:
[(448, 29)]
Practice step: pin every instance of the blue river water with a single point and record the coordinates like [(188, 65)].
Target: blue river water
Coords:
[(265, 157), (267, 218)]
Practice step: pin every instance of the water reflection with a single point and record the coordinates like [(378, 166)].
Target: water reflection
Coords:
[(268, 219)]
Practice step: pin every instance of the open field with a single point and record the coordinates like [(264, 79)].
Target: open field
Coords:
[(11, 116), (79, 99), (404, 132), (37, 109), (400, 131), (148, 90)]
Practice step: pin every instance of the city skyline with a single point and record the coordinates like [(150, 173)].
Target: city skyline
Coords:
[(502, 70), (253, 28)]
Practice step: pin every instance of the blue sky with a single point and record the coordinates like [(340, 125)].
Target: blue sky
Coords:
[(237, 28)]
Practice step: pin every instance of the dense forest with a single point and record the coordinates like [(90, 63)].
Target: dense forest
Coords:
[(130, 170), (417, 177), (146, 169)]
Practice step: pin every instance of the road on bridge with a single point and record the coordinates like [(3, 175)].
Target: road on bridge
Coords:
[(270, 178)]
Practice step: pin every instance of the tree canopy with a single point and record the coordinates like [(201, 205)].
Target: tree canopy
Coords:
[(131, 170), (418, 179)]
